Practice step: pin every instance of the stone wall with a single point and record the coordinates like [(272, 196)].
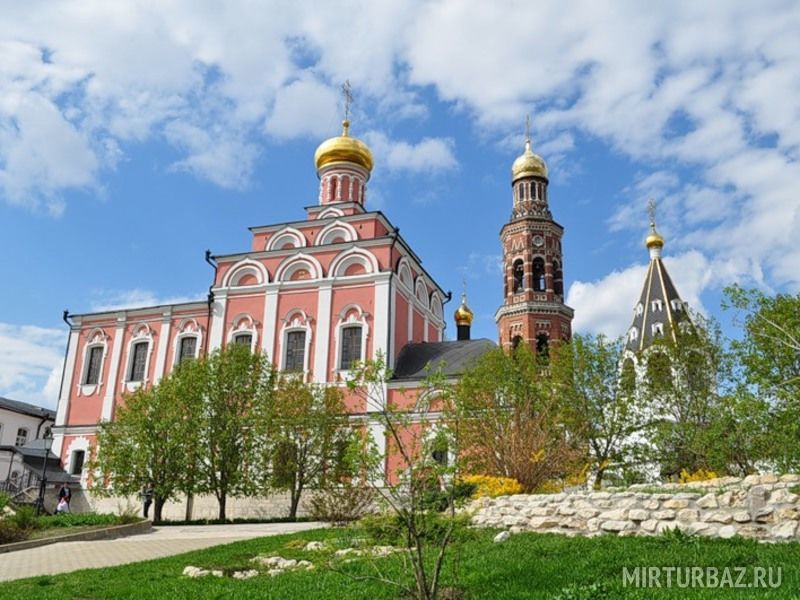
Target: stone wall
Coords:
[(758, 506), (204, 507)]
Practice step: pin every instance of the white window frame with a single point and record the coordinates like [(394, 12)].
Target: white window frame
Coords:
[(657, 305), (24, 438), (633, 334), (350, 315), (657, 329), (296, 320), (187, 328), (142, 334), (72, 462), (244, 323), (97, 339)]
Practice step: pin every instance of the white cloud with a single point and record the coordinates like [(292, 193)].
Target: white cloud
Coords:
[(429, 155), (30, 363), (305, 107), (606, 305), (108, 300)]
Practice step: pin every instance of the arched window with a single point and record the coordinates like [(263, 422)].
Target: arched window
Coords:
[(538, 274), (350, 350), (558, 279), (519, 276), (542, 344), (138, 361), (295, 354), (516, 341), (627, 378)]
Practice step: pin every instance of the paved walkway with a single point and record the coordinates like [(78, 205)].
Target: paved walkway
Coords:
[(162, 541)]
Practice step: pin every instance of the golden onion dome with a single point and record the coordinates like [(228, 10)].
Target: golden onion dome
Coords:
[(528, 164), (343, 148), (654, 239), (463, 314)]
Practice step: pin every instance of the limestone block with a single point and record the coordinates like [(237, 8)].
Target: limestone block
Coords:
[(783, 496), (741, 516), (664, 515), (688, 515), (791, 513), (676, 503), (501, 537), (764, 515), (588, 513), (651, 504), (768, 478), (685, 496), (649, 525), (510, 521), (699, 528), (725, 499), (752, 532), (604, 503), (567, 511), (543, 522), (750, 480), (637, 514), (539, 511), (600, 495), (790, 478), (614, 515), (708, 501), (614, 525), (784, 531), (593, 524), (727, 532)]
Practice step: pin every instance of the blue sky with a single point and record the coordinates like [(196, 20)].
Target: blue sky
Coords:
[(133, 136)]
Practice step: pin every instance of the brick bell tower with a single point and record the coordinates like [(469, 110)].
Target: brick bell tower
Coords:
[(533, 309)]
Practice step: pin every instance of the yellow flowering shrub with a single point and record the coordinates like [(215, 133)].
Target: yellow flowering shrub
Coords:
[(699, 475), (487, 485)]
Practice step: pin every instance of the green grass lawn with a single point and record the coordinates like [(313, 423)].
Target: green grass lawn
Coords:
[(526, 566)]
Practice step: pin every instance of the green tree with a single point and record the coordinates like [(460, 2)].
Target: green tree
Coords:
[(769, 354), (309, 437), (237, 389), (148, 441), (601, 397), (514, 421)]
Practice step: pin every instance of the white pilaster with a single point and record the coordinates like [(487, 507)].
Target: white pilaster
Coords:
[(66, 389), (392, 325), (323, 330), (378, 434), (113, 372), (382, 317), (163, 345), (270, 323), (411, 320), (217, 326), (425, 331)]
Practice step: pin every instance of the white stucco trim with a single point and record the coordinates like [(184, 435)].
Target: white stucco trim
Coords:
[(66, 389), (270, 322), (296, 320), (217, 325), (343, 228), (322, 347), (142, 332), (292, 263), (163, 345), (243, 323), (116, 356), (351, 256), (350, 315), (97, 338), (244, 267), (188, 327), (284, 236)]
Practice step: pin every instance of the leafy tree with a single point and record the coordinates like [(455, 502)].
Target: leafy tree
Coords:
[(683, 392), (309, 435), (148, 440), (769, 354), (237, 389), (601, 396), (514, 422)]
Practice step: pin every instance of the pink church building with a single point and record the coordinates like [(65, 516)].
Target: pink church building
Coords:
[(318, 294), (315, 295)]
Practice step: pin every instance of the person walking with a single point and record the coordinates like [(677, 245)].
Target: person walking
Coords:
[(65, 494), (147, 495)]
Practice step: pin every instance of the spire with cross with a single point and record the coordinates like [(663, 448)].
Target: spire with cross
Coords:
[(651, 212), (347, 96)]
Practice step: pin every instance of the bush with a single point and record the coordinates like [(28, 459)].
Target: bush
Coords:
[(699, 475), (488, 485), (5, 500), (341, 504), (390, 529), (10, 533), (78, 520), (25, 519)]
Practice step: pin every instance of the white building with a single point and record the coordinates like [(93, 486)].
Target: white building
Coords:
[(21, 424)]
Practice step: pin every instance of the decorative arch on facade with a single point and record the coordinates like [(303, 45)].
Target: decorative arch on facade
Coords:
[(335, 233), (97, 338), (351, 316), (285, 239), (538, 274), (245, 273), (355, 261), (421, 292), (518, 273), (142, 334), (296, 320), (330, 212), (405, 275), (437, 306), (241, 325), (542, 343), (299, 267), (187, 328)]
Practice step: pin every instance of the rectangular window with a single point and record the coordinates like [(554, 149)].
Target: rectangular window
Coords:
[(351, 347), (188, 348), (93, 370), (22, 437), (295, 351), (243, 339), (76, 466), (138, 361)]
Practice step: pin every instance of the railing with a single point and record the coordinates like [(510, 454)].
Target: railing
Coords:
[(9, 487)]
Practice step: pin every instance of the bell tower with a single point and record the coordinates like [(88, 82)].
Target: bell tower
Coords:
[(533, 309)]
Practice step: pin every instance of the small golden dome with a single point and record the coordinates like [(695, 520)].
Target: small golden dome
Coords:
[(528, 164), (463, 314), (654, 239), (343, 148)]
